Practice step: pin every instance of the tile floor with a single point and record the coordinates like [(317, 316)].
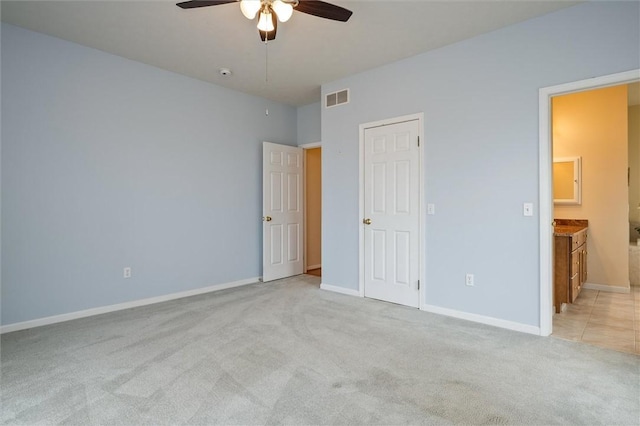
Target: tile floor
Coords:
[(610, 320)]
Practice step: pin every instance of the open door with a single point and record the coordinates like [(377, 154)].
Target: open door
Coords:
[(282, 212)]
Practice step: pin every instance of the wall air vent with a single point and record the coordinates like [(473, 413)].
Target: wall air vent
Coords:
[(337, 98)]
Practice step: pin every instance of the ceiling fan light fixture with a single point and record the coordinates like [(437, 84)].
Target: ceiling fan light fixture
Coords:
[(271, 11), (265, 22), (250, 8), (282, 10)]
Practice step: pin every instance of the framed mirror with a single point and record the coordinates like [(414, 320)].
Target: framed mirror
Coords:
[(567, 185)]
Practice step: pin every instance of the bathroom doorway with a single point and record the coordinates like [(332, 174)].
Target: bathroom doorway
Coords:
[(596, 126), (634, 185)]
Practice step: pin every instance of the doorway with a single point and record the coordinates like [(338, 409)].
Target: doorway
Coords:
[(313, 209), (391, 239), (292, 210), (546, 194), (592, 126)]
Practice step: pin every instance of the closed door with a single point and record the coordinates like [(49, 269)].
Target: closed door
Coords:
[(392, 213), (282, 212)]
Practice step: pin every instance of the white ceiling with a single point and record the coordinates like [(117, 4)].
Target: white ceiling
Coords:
[(307, 52)]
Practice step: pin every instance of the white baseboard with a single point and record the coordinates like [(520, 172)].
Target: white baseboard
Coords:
[(509, 325), (318, 266), (341, 290), (120, 306), (604, 287)]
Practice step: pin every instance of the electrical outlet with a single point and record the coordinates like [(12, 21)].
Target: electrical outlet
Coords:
[(469, 280), (127, 272)]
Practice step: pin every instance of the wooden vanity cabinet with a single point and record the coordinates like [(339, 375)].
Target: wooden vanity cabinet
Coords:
[(570, 266)]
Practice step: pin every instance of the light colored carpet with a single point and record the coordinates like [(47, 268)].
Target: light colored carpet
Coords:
[(289, 353)]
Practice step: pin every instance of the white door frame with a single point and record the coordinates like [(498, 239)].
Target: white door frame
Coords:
[(305, 147), (421, 225), (545, 184)]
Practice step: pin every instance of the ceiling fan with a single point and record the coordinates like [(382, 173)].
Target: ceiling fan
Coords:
[(270, 11)]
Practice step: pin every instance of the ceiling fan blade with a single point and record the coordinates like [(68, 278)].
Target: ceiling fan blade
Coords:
[(271, 35), (324, 10), (202, 3)]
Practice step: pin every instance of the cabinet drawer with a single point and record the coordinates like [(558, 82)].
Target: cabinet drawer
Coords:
[(574, 289), (578, 239), (575, 263)]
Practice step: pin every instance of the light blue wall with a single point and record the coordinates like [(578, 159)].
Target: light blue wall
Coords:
[(480, 102), (309, 128), (109, 163)]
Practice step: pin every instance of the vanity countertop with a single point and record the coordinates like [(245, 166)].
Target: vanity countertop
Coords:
[(568, 227), (567, 230)]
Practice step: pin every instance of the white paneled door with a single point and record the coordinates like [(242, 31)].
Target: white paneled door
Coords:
[(282, 200), (392, 213)]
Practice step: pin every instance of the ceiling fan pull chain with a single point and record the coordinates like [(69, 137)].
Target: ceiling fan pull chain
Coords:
[(266, 61)]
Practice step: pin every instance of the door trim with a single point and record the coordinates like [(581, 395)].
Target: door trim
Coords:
[(421, 225), (311, 145), (545, 191)]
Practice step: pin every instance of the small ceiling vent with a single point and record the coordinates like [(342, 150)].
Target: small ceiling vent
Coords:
[(337, 98)]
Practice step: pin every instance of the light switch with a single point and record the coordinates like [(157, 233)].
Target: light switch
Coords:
[(431, 209), (527, 209)]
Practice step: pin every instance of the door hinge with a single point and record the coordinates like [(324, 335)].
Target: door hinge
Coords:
[(418, 284), (418, 140)]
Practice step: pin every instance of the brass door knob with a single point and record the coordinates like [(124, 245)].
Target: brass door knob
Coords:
[(366, 221), (266, 219)]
